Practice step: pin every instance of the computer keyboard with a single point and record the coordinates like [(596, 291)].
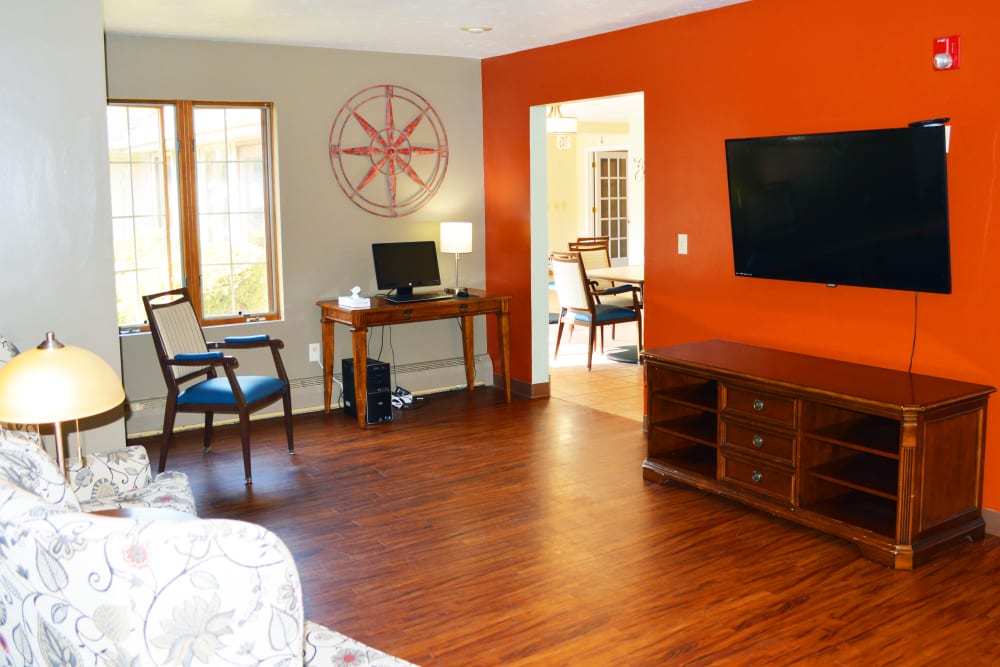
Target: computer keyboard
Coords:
[(419, 296)]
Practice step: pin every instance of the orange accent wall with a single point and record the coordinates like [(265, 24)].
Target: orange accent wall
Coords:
[(773, 67)]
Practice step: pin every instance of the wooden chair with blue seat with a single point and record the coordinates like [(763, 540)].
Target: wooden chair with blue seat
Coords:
[(578, 303), (595, 254), (191, 368)]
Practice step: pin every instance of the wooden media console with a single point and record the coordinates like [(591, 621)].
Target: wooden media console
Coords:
[(890, 460)]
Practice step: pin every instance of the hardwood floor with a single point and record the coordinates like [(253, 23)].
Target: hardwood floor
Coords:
[(475, 532)]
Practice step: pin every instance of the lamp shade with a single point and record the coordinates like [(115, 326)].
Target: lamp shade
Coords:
[(56, 383), (456, 237), (556, 123)]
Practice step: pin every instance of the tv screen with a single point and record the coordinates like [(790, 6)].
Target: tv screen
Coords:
[(405, 265), (866, 208)]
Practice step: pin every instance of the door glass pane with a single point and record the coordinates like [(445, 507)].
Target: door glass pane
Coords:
[(611, 189)]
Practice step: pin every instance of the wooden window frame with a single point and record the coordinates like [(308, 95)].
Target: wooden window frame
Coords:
[(188, 208)]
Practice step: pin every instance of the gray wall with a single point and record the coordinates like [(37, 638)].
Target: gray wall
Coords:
[(55, 238), (325, 239)]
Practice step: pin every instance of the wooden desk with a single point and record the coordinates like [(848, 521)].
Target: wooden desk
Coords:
[(384, 313)]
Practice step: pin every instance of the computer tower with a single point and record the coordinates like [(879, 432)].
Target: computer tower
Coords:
[(379, 405)]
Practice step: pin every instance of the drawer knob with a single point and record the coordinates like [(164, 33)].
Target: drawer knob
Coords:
[(758, 441), (757, 476), (758, 405)]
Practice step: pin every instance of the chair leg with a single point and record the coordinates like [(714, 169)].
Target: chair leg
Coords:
[(207, 435), (590, 346), (245, 440), (168, 431), (287, 400), (558, 338)]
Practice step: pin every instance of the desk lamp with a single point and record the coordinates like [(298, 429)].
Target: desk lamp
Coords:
[(54, 383), (456, 237)]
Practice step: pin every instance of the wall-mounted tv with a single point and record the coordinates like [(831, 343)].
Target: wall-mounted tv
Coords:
[(866, 208)]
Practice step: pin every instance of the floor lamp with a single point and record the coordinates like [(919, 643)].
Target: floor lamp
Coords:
[(456, 237), (56, 383)]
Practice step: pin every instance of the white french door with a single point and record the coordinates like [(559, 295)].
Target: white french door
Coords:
[(610, 205)]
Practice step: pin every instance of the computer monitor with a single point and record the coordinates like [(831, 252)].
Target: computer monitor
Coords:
[(404, 265)]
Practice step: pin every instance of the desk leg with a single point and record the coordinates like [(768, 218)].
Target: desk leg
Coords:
[(327, 364), (359, 341), (469, 351), (503, 333)]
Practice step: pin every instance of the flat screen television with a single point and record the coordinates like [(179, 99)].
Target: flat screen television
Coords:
[(404, 265), (866, 208)]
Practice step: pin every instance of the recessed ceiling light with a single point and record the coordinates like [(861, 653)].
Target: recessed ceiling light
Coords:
[(477, 29)]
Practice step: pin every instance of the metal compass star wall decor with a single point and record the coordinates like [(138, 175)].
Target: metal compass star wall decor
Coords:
[(388, 150)]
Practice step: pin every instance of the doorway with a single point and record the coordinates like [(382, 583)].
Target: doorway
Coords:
[(586, 183)]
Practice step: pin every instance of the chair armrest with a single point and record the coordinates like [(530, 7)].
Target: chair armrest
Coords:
[(262, 340), (110, 473), (149, 592), (618, 289), (201, 362), (324, 646), (203, 359), (247, 342), (124, 479), (197, 356)]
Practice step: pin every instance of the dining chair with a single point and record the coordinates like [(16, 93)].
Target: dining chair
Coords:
[(595, 255), (578, 303), (186, 357)]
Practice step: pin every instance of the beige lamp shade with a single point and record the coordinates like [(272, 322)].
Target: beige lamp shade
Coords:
[(55, 383), (556, 123), (456, 237)]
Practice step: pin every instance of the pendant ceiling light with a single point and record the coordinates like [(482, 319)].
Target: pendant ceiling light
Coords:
[(556, 123)]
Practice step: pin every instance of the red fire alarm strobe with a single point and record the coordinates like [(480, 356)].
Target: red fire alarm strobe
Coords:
[(946, 53)]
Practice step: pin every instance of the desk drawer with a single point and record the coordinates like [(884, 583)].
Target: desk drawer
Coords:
[(760, 405), (427, 311)]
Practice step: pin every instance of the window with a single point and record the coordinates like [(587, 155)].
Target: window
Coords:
[(191, 203)]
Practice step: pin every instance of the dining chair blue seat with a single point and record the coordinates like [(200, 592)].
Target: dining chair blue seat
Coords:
[(578, 302)]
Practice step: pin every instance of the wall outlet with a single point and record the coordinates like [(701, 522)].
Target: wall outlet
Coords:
[(314, 352), (682, 244)]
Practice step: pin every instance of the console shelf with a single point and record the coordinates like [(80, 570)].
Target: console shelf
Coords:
[(890, 460)]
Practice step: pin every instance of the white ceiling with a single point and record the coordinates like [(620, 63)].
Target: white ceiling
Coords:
[(429, 27)]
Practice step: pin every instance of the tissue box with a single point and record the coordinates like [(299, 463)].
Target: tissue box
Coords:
[(354, 302)]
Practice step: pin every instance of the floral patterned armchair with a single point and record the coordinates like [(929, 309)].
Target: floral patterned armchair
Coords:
[(78, 588), (109, 480)]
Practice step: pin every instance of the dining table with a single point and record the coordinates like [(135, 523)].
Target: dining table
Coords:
[(633, 274)]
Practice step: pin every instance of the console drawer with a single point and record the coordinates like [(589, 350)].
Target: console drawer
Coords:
[(760, 405), (759, 478), (759, 441)]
